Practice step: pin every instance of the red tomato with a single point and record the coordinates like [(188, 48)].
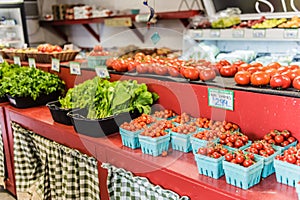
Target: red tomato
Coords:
[(286, 133), (251, 70), (228, 156), (243, 67), (238, 143), (291, 159), (291, 139), (160, 69), (120, 66), (247, 163), (109, 62), (228, 71), (142, 68), (242, 77), (207, 74), (191, 73), (260, 78), (256, 64), (271, 71), (174, 71), (296, 82), (275, 65), (132, 66), (239, 158), (279, 139), (239, 63), (280, 81), (224, 62)]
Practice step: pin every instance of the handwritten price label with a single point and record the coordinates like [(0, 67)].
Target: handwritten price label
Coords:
[(237, 33), (215, 33), (290, 33), (260, 33), (220, 98), (102, 72), (17, 60), (75, 68), (31, 62), (55, 65)]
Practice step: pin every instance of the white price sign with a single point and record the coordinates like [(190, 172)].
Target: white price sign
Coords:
[(290, 33), (221, 98), (55, 65), (1, 59), (215, 33), (259, 33), (197, 34), (102, 72), (75, 68), (31, 62), (17, 60), (238, 33)]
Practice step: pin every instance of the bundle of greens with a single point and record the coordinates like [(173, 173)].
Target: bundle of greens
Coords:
[(103, 98), (30, 82), (6, 70)]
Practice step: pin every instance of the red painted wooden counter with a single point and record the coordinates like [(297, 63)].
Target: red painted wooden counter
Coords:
[(177, 171)]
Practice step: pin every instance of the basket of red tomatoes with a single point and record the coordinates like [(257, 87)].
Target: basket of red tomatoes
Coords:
[(287, 166), (242, 169), (209, 160), (180, 137), (183, 118), (164, 114), (155, 139), (129, 131), (267, 152), (282, 138), (202, 138)]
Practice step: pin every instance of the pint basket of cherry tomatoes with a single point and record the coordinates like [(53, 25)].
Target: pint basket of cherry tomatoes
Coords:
[(202, 138), (202, 122), (155, 139), (164, 114), (224, 126), (287, 166), (234, 140), (242, 169), (283, 139), (209, 160), (268, 152), (129, 131), (180, 137)]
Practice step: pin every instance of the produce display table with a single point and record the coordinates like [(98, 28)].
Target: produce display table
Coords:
[(255, 112), (177, 171)]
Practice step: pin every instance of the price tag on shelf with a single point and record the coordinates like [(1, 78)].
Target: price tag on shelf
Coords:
[(17, 60), (215, 33), (221, 98), (259, 33), (31, 62), (1, 59), (102, 72), (55, 65), (68, 47), (290, 33), (75, 68), (238, 33), (197, 34)]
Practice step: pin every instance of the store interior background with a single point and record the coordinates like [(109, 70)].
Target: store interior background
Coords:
[(172, 36)]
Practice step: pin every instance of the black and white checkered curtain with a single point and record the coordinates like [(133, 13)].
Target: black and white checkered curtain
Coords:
[(122, 185), (2, 167), (47, 170)]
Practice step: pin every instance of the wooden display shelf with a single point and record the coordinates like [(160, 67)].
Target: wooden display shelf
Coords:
[(183, 16), (255, 113)]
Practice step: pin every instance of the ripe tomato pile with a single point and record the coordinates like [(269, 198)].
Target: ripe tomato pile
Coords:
[(233, 139), (273, 74), (202, 122), (241, 158), (262, 148), (213, 150), (182, 119), (138, 123), (224, 126), (158, 128), (206, 135), (184, 129), (291, 155), (279, 138), (165, 114)]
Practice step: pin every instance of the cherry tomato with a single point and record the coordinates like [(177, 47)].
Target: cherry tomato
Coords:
[(160, 70), (228, 70), (242, 77), (279, 139), (228, 156), (296, 82), (247, 163), (238, 143), (270, 151), (142, 68), (224, 62), (291, 139), (174, 71), (207, 74), (286, 133), (216, 155), (202, 151), (260, 78), (239, 158), (267, 137), (291, 159), (280, 81)]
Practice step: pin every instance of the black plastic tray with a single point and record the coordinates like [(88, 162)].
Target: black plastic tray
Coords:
[(27, 102), (3, 99), (98, 127), (59, 115)]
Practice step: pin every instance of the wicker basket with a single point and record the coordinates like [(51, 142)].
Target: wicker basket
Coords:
[(10, 54), (47, 57), (3, 54)]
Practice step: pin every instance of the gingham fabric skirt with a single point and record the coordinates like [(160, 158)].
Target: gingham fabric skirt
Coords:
[(47, 170), (123, 185), (2, 167)]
